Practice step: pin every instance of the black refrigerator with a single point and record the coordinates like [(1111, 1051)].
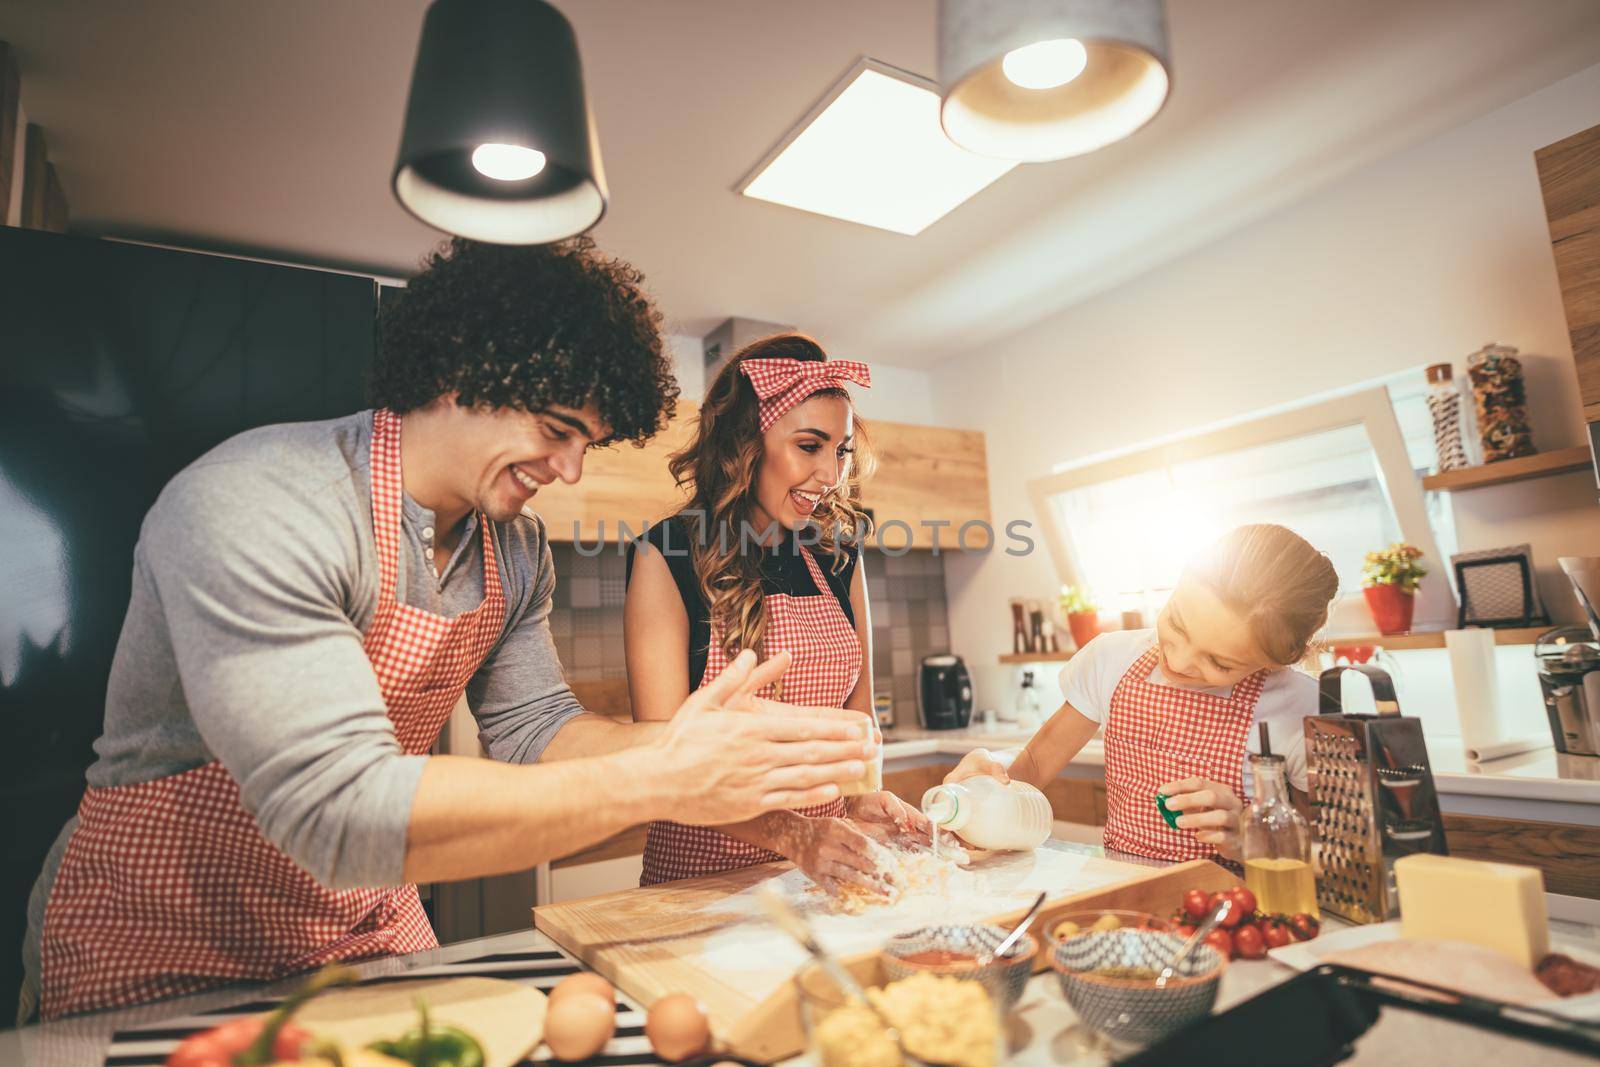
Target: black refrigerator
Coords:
[(119, 364)]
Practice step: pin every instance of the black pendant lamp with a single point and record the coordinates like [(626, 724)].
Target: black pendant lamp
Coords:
[(499, 144)]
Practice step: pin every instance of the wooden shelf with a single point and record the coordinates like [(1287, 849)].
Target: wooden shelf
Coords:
[(1538, 465), (1035, 657), (1525, 635)]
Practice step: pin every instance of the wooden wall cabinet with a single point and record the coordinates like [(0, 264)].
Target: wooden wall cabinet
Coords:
[(1569, 177), (928, 475), (621, 485), (925, 474)]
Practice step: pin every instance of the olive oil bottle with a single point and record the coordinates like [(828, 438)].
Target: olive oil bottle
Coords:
[(1276, 841)]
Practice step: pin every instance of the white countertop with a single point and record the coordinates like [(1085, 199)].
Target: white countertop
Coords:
[(1543, 774), (900, 742), (1044, 1029)]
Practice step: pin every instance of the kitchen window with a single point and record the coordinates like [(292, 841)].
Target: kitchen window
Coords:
[(1342, 472)]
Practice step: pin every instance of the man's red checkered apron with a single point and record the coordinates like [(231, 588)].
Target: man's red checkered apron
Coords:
[(825, 668), (168, 886), (1155, 734)]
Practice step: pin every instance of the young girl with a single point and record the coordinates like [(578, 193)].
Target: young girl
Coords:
[(1180, 703), (772, 459)]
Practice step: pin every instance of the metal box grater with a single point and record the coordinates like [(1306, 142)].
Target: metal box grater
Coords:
[(1373, 796)]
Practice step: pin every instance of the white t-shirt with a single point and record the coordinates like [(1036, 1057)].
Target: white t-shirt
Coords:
[(1287, 695)]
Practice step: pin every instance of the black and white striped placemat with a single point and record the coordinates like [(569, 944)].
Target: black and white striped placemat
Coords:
[(149, 1045)]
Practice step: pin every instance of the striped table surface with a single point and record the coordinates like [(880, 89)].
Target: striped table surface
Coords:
[(542, 967)]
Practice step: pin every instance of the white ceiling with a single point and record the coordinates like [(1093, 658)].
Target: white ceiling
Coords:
[(271, 128)]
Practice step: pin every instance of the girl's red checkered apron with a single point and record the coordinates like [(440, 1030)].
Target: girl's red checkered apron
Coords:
[(825, 668), (168, 886), (1160, 733)]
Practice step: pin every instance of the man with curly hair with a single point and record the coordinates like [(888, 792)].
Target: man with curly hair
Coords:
[(310, 601)]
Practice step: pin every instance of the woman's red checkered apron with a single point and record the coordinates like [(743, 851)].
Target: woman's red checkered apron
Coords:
[(168, 886), (1155, 734), (824, 671)]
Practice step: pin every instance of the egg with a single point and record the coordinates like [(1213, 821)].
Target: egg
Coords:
[(578, 1025), (677, 1027), (583, 982)]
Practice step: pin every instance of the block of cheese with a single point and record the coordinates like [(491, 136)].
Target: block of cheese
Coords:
[(1496, 905)]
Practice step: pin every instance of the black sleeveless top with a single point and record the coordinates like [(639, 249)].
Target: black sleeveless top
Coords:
[(782, 571)]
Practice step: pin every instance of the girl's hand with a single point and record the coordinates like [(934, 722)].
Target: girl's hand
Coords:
[(1210, 809), (975, 764), (886, 818), (832, 853)]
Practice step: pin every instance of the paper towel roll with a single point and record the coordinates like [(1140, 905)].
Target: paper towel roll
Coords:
[(1511, 747), (1477, 687)]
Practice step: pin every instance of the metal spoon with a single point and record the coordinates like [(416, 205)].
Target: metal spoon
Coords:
[(794, 924), (1208, 924), (1015, 935)]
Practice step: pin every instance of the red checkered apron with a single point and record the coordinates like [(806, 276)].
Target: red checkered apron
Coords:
[(825, 668), (168, 887), (1155, 734)]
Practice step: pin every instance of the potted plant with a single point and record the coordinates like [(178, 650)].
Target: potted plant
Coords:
[(1082, 614), (1389, 581)]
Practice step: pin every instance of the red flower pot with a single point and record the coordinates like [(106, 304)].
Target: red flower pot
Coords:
[(1084, 625), (1391, 607)]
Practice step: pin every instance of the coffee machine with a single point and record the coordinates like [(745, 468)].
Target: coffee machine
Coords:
[(944, 693), (1569, 666), (1584, 574)]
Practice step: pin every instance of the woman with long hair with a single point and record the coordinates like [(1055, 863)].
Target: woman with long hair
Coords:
[(765, 556)]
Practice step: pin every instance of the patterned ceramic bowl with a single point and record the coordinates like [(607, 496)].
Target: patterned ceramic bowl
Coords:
[(929, 950), (1108, 977), (1073, 923)]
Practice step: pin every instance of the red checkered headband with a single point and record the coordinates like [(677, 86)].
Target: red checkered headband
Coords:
[(781, 384)]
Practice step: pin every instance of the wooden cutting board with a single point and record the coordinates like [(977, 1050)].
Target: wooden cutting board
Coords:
[(507, 1018), (708, 936)]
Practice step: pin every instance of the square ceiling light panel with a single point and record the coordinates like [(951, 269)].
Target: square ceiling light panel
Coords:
[(872, 152)]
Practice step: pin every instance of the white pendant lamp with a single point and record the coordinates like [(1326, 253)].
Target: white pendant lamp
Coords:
[(1036, 80)]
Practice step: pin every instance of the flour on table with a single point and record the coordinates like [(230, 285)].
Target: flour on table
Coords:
[(912, 875), (925, 892)]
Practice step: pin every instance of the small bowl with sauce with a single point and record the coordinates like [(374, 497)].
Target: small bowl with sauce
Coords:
[(1108, 976), (956, 951)]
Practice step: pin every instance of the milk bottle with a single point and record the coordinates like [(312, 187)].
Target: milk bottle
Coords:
[(989, 814)]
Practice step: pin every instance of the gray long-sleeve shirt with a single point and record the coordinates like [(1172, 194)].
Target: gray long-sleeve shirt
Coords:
[(254, 578)]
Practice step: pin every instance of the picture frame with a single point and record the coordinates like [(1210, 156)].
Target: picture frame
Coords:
[(1497, 588)]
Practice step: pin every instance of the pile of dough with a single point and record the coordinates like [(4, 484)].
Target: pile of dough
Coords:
[(903, 873)]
